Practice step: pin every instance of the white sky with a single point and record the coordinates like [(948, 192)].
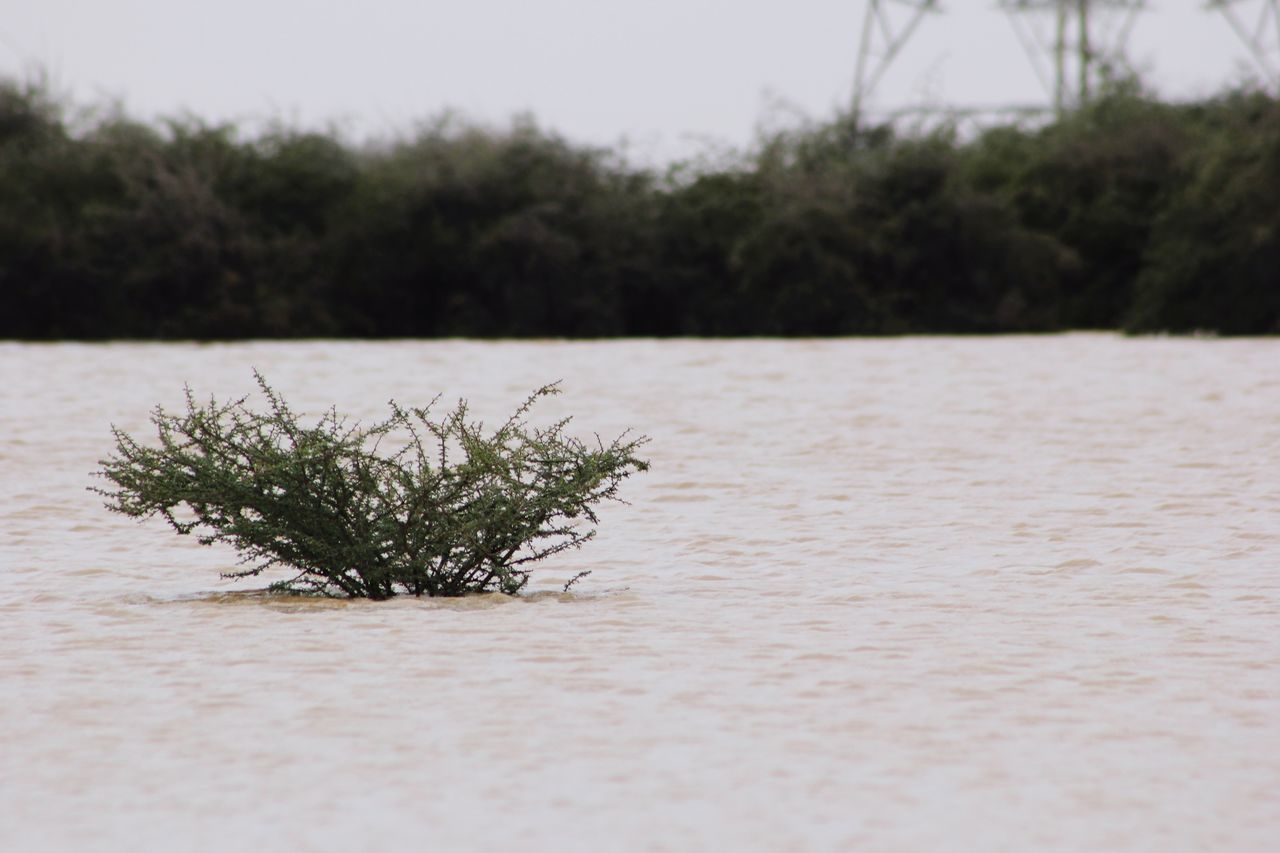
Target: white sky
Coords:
[(666, 75)]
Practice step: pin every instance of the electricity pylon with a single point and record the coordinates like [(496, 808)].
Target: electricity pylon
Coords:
[(1084, 40), (887, 26), (1257, 23)]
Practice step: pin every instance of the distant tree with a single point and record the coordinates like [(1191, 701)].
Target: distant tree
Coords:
[(1214, 259)]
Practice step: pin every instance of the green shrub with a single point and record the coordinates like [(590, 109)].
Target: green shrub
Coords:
[(451, 510)]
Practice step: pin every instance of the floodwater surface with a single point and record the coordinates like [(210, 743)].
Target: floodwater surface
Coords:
[(908, 594)]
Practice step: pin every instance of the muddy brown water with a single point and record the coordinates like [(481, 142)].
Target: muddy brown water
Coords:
[(908, 594)]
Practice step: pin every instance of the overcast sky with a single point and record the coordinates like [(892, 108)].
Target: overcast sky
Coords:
[(664, 74)]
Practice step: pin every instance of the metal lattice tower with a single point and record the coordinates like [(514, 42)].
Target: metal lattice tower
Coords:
[(885, 29), (1257, 23), (1073, 44)]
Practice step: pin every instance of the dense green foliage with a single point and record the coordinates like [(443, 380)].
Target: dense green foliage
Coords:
[(1130, 213), (453, 510)]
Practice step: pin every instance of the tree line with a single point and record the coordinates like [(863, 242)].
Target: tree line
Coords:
[(1130, 213)]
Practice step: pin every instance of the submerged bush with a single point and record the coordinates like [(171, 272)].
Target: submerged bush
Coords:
[(451, 510)]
